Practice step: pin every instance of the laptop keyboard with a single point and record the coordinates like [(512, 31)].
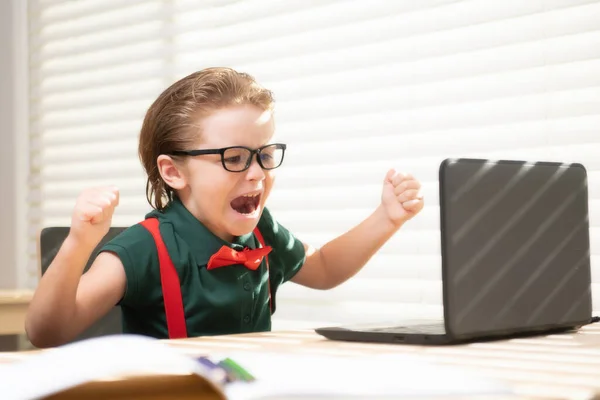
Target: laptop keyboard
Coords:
[(432, 329)]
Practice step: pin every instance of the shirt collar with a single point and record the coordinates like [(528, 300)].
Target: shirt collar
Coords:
[(200, 240)]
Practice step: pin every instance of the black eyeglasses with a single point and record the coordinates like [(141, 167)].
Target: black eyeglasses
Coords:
[(239, 158)]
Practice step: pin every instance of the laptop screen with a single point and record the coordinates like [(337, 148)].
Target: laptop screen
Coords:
[(515, 245)]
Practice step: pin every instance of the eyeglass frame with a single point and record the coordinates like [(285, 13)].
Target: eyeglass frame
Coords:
[(222, 151)]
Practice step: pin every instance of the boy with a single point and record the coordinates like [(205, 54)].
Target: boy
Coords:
[(210, 257)]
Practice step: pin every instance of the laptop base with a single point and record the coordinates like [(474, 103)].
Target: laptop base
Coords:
[(395, 335), (352, 335)]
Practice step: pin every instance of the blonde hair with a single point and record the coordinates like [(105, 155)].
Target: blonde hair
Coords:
[(171, 122)]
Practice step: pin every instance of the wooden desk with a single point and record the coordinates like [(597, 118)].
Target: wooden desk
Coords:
[(13, 307), (565, 366)]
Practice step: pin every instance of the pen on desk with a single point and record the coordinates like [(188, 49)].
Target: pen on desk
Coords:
[(235, 369)]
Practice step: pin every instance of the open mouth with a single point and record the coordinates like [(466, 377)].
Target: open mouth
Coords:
[(246, 204)]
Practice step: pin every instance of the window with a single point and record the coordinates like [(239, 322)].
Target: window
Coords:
[(360, 87)]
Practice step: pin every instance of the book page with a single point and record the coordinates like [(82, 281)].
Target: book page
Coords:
[(378, 376)]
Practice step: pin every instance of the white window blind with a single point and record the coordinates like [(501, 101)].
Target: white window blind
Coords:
[(360, 87)]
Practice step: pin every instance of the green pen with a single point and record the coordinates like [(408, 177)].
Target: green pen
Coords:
[(236, 370)]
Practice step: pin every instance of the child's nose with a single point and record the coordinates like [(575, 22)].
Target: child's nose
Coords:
[(255, 172)]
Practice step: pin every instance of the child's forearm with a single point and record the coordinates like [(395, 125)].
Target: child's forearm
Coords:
[(345, 255), (341, 258), (51, 315)]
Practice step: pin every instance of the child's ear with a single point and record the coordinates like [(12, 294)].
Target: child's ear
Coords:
[(171, 172)]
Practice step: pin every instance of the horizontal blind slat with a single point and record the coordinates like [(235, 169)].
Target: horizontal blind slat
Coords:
[(50, 12), (97, 41), (129, 13), (116, 74)]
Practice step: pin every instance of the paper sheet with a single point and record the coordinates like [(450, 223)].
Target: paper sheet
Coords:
[(378, 376)]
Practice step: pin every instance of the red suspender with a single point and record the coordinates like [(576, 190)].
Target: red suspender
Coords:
[(261, 240), (171, 288)]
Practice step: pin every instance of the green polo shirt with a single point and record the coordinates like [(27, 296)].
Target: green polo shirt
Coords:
[(226, 300)]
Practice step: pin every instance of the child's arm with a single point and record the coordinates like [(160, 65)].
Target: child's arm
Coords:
[(341, 258), (65, 303)]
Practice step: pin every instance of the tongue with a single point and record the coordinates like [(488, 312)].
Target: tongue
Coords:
[(243, 205)]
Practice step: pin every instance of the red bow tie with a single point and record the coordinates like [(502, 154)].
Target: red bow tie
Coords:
[(251, 258)]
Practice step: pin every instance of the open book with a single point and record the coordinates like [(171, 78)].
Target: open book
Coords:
[(244, 375)]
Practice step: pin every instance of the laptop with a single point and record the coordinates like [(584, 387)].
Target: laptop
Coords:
[(515, 254), (51, 239)]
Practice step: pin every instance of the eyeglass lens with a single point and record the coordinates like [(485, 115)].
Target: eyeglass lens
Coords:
[(238, 158)]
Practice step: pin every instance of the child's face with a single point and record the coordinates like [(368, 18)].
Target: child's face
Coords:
[(229, 203)]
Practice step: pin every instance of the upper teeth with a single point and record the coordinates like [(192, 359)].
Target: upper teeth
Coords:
[(250, 195)]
